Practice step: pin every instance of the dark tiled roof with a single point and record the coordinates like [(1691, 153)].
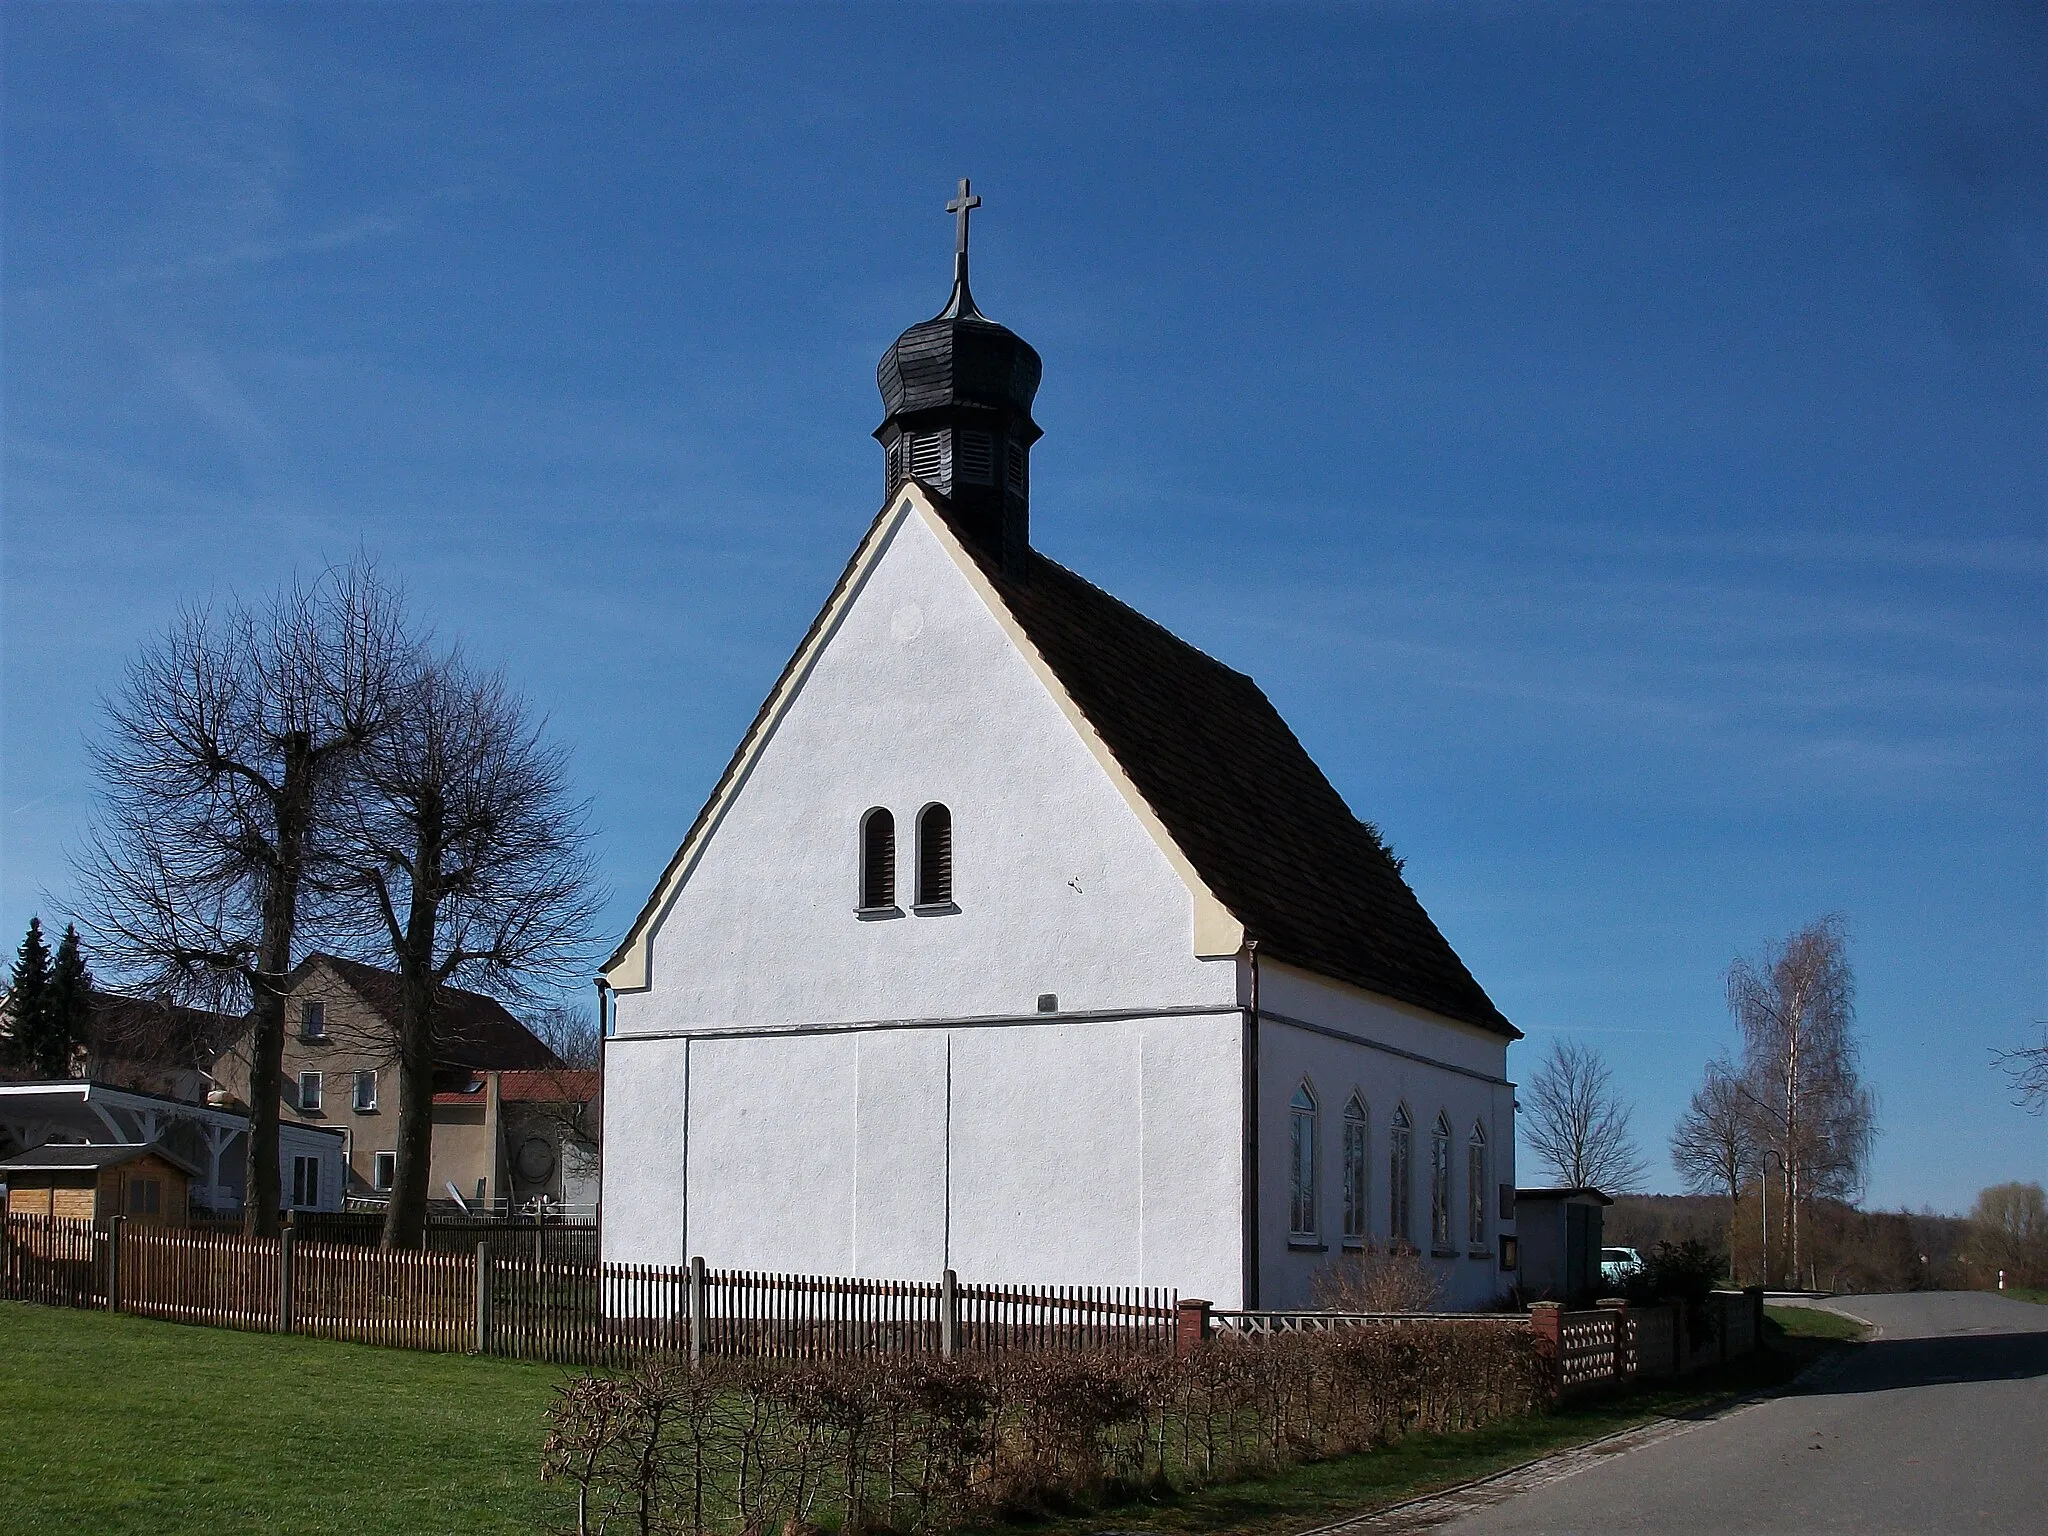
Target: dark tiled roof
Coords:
[(67, 1158), (1241, 797), (564, 1087), (471, 1030)]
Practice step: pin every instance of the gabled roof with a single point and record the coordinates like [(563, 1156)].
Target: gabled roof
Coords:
[(1252, 823), (470, 1029), (1234, 787)]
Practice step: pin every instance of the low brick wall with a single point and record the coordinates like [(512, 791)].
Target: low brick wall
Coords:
[(1616, 1342)]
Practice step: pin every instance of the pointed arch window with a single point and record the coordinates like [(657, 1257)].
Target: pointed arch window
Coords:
[(935, 856), (1440, 1183), (1400, 1145), (1357, 1159), (1475, 1193), (877, 861), (1301, 1205)]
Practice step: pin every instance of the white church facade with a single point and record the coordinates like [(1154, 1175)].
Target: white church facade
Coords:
[(1023, 939)]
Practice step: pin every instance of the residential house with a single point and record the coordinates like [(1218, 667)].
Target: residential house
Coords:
[(339, 1071)]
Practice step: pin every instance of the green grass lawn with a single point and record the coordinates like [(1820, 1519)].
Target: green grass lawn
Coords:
[(119, 1424), (1814, 1323), (2032, 1293)]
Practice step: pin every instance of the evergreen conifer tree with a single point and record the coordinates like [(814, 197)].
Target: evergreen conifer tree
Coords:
[(28, 997), (66, 1005)]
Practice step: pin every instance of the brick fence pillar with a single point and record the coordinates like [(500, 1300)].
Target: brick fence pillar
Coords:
[(1546, 1323), (1190, 1324)]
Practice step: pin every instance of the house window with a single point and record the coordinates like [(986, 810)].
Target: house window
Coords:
[(305, 1181), (1301, 1209), (383, 1170), (366, 1091), (935, 857), (1399, 1142), (145, 1197), (1440, 1183), (877, 861), (313, 1019), (1475, 1195), (309, 1092), (1357, 1155)]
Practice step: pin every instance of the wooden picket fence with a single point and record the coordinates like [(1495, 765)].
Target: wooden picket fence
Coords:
[(534, 1307)]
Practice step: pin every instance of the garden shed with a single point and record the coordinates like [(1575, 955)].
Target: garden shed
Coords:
[(1560, 1231), (143, 1182)]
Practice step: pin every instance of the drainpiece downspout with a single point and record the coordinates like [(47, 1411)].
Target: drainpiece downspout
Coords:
[(1249, 1174)]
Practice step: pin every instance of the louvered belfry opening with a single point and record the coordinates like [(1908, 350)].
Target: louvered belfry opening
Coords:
[(935, 857), (957, 392), (877, 860)]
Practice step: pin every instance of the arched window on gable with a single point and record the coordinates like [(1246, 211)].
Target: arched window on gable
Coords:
[(1301, 1207), (1440, 1184), (877, 861), (935, 856), (1357, 1158), (1399, 1145), (1475, 1195)]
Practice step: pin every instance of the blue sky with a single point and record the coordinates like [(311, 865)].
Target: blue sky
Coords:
[(1613, 435)]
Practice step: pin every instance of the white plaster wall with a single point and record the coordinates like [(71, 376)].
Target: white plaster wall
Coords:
[(1335, 1069), (920, 696), (1300, 994), (1077, 1153)]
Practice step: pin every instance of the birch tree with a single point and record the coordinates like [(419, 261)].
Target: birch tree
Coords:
[(1795, 1005), (467, 860), (1576, 1122), (219, 771)]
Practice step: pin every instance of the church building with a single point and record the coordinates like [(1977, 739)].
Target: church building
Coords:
[(1021, 938)]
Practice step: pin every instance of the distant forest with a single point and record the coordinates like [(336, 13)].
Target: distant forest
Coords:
[(1854, 1250)]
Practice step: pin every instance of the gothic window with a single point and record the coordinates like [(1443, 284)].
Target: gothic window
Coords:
[(1475, 1194), (977, 461), (1357, 1157), (1399, 1143), (1440, 1183), (1301, 1208), (877, 861), (934, 856)]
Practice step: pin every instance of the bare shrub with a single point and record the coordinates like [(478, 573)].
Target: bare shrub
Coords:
[(875, 1443), (1375, 1279)]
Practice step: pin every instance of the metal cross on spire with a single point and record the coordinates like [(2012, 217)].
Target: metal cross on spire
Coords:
[(963, 205)]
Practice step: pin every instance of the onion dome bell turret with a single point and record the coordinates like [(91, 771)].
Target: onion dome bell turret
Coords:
[(957, 389)]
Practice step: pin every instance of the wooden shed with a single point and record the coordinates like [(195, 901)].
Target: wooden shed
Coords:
[(90, 1183)]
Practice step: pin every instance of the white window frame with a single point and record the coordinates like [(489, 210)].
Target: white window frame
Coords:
[(1475, 1204), (314, 1102), (1400, 1176), (1303, 1115), (1440, 1184), (305, 1182), (364, 1075), (1357, 1172), (312, 1019), (383, 1171)]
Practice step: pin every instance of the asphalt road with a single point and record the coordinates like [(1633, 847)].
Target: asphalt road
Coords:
[(1939, 1424)]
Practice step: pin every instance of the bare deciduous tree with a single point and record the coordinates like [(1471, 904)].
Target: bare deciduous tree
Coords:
[(1796, 1008), (218, 772), (471, 859), (1713, 1146), (1576, 1123), (2009, 1233), (2027, 1070)]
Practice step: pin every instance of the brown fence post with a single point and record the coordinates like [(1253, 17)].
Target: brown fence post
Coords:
[(284, 1278), (1546, 1323), (483, 1298), (696, 1311), (1190, 1323), (114, 1226), (949, 1315)]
